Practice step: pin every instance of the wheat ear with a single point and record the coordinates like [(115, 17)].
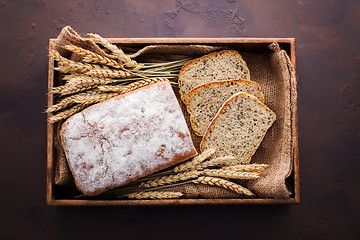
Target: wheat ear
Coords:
[(108, 73), (91, 57), (141, 83), (67, 65), (73, 99), (247, 168), (230, 174), (95, 98), (171, 179), (62, 104), (224, 184), (109, 88), (154, 195), (68, 89), (189, 165), (216, 162), (117, 52), (79, 83), (67, 113)]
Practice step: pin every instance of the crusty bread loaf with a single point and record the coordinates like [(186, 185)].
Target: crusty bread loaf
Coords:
[(217, 66), (239, 127), (129, 136), (205, 100)]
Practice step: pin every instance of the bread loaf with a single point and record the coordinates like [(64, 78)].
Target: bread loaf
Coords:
[(217, 66), (239, 127), (129, 136), (205, 100)]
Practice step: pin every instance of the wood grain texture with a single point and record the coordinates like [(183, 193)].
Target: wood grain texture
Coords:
[(50, 133)]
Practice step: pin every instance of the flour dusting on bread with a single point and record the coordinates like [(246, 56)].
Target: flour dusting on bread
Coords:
[(127, 137)]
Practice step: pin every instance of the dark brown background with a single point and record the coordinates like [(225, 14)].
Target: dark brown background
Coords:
[(328, 69)]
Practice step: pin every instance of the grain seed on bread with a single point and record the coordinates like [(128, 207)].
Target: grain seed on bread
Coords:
[(205, 100), (239, 127), (217, 66)]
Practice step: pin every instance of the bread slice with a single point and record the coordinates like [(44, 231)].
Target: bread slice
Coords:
[(239, 127), (205, 100), (126, 137), (217, 66)]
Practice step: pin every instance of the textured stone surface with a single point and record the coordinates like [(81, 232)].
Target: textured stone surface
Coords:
[(328, 63)]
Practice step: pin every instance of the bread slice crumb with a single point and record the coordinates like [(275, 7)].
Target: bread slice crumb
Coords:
[(239, 127), (217, 66), (205, 100)]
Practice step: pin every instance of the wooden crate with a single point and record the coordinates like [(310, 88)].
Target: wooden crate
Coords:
[(247, 44)]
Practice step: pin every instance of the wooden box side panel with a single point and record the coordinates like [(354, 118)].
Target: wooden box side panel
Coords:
[(50, 133)]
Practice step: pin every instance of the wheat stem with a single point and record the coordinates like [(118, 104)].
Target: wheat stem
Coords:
[(173, 63), (230, 174), (155, 195), (91, 99), (141, 83), (108, 73), (247, 168), (224, 184), (189, 165), (215, 162), (171, 179), (109, 88), (67, 113), (62, 104)]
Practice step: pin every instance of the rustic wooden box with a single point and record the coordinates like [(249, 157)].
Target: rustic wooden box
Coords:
[(56, 197)]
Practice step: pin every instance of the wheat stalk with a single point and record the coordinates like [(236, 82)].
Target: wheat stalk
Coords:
[(108, 73), (230, 174), (224, 184), (67, 65), (141, 83), (220, 162), (171, 179), (62, 104), (82, 101), (154, 195), (91, 57), (215, 162), (94, 98), (117, 52), (73, 99), (67, 113), (195, 161), (79, 83), (108, 88), (247, 168), (68, 89)]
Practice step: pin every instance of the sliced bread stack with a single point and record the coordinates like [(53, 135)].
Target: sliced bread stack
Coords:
[(225, 107)]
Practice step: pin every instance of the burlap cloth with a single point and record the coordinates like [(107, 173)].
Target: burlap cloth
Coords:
[(272, 70)]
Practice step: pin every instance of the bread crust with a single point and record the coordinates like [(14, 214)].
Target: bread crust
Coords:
[(221, 111), (176, 159), (185, 66), (231, 82), (188, 65)]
